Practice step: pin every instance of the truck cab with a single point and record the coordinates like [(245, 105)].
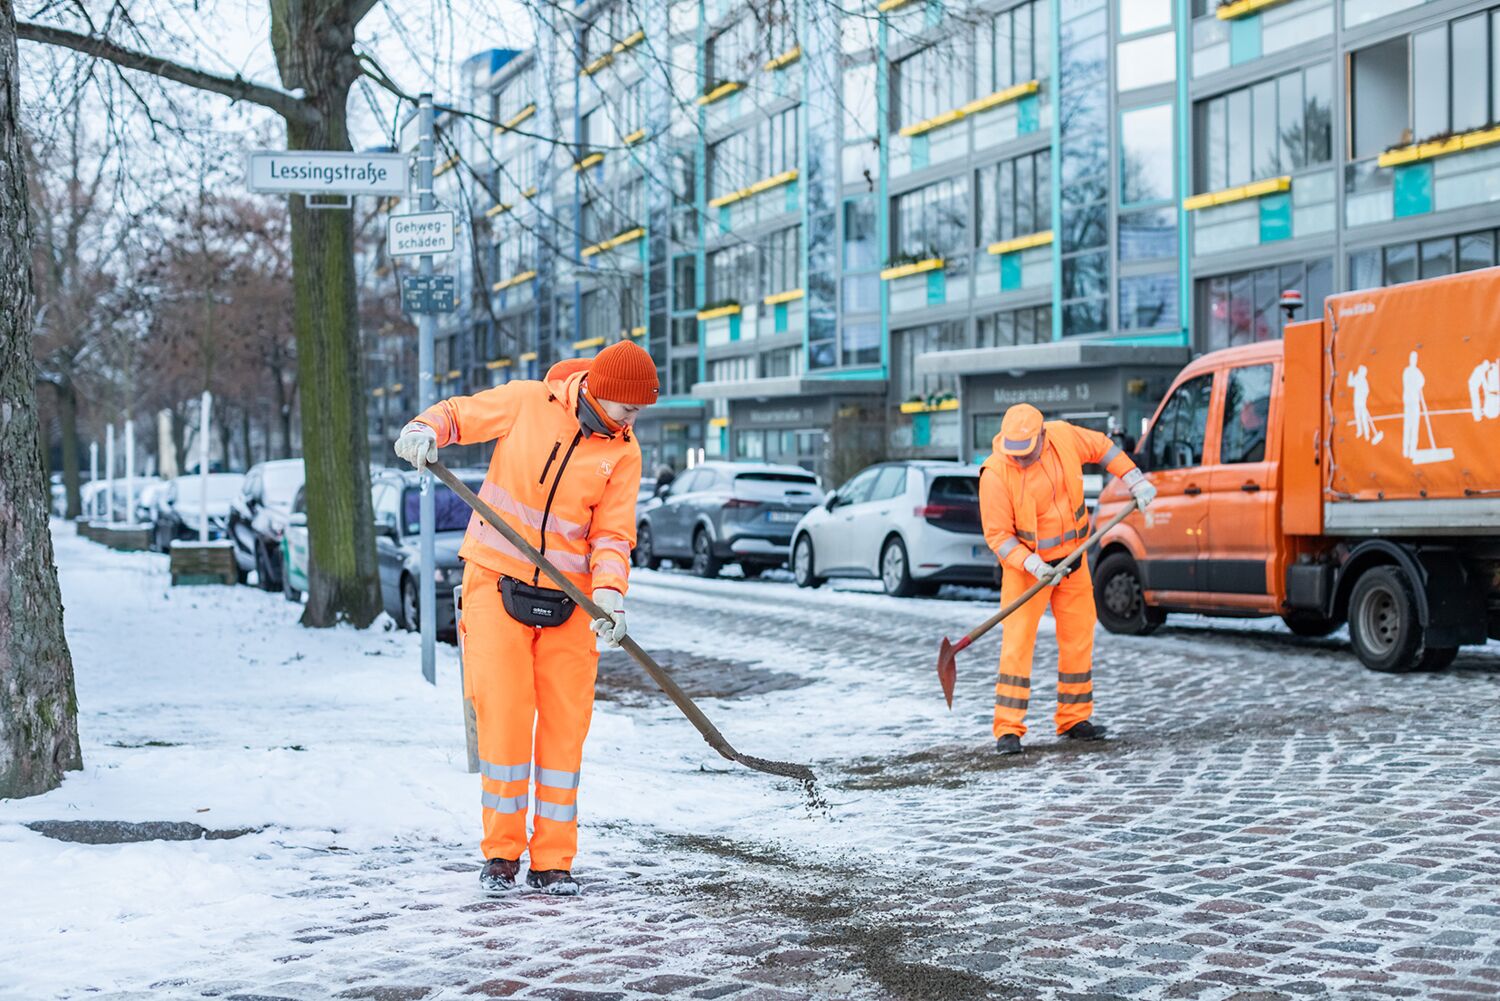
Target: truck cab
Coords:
[(1345, 474)]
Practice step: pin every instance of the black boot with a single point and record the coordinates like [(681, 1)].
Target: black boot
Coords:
[(557, 882), (499, 875), (1084, 730), (1008, 744)]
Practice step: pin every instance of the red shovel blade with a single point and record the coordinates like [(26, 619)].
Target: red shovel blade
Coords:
[(947, 669)]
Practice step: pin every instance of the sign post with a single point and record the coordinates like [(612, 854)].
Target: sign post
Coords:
[(109, 474), (129, 471), (427, 394), (203, 468)]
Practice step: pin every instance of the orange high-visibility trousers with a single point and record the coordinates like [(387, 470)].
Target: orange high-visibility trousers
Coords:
[(1072, 604), (522, 677)]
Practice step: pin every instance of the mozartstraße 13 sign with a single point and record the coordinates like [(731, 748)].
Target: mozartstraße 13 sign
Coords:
[(302, 172)]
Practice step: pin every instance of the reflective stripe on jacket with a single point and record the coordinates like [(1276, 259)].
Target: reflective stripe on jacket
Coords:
[(569, 494), (1041, 509)]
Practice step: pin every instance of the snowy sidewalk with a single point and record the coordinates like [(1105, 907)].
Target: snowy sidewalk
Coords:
[(1269, 819)]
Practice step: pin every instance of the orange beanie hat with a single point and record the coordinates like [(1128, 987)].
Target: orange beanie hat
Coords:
[(624, 373)]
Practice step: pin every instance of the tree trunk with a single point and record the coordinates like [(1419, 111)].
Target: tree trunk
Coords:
[(226, 437), (245, 436), (179, 438), (67, 414), (343, 585), (38, 708)]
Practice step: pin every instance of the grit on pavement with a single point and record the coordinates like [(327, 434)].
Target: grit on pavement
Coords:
[(1268, 820)]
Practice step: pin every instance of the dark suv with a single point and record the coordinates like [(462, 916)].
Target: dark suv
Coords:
[(726, 512)]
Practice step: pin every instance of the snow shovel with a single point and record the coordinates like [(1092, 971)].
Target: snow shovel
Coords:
[(947, 664), (663, 680)]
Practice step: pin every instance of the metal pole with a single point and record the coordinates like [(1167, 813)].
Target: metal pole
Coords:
[(129, 471), (109, 474), (426, 397), (203, 411), (93, 462)]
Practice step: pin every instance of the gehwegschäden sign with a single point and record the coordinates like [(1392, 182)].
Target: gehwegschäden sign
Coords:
[(303, 172), (420, 233)]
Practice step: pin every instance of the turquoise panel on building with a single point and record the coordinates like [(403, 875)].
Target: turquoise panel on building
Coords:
[(725, 218), (920, 155), (791, 197), (781, 317), (1244, 39), (921, 430), (1413, 184), (937, 287), (1276, 217), (734, 327), (1028, 114), (1010, 272)]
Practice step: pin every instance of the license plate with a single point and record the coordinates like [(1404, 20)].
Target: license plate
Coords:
[(783, 516), (982, 553)]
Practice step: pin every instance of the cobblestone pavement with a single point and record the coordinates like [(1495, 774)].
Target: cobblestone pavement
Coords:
[(1270, 820)]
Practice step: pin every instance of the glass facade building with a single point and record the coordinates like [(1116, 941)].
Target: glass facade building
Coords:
[(853, 232)]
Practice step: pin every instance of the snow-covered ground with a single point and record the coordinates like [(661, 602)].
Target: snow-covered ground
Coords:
[(1239, 745)]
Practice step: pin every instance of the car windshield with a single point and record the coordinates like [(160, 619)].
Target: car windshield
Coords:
[(773, 485), (222, 488), (281, 483), (451, 512)]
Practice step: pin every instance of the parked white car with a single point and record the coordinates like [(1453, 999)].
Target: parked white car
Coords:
[(911, 525)]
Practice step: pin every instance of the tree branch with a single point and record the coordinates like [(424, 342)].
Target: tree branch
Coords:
[(236, 87)]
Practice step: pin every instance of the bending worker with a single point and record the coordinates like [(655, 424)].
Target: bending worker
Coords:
[(1031, 505), (565, 474)]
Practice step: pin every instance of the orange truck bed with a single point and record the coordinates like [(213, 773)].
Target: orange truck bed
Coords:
[(1393, 400)]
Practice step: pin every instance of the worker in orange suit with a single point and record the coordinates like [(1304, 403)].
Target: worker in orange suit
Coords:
[(1032, 508), (565, 475)]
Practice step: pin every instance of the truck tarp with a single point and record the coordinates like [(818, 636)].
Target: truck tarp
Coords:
[(1413, 390)]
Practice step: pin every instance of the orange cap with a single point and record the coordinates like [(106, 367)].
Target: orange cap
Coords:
[(624, 373), (1019, 430)]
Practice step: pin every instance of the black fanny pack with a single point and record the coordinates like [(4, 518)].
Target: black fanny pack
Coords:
[(535, 606)]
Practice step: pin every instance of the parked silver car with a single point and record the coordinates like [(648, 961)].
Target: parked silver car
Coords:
[(912, 525), (726, 512)]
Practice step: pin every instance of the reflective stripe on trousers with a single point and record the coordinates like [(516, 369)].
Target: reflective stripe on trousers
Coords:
[(1072, 603)]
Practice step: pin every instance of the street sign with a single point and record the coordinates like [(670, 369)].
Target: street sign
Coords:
[(424, 294), (420, 233), (303, 172)]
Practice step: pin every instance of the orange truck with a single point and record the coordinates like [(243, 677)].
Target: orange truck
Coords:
[(1349, 473)]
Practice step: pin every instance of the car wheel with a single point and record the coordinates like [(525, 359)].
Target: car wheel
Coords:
[(895, 570), (266, 566), (803, 565), (1310, 626), (410, 605), (705, 563), (644, 553), (1383, 625), (1120, 599)]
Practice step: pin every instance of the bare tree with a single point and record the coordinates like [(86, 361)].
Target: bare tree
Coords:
[(314, 47), (38, 708)]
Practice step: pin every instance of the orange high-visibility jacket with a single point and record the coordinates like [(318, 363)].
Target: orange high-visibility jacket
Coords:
[(1041, 508), (547, 472)]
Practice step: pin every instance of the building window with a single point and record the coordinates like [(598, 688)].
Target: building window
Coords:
[(596, 130), (1404, 262), (1242, 308), (1272, 128), (861, 249), (1147, 61), (1015, 197), (1011, 48), (732, 164), (1425, 85), (731, 274), (931, 221), (782, 259), (684, 282), (779, 143), (908, 345), (1150, 234), (1148, 302), (860, 344), (929, 82), (1032, 325), (1137, 16), (1147, 156), (731, 53), (781, 364)]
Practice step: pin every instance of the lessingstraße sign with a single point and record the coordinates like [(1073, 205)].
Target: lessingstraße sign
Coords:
[(327, 173)]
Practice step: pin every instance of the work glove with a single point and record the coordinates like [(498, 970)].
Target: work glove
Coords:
[(609, 630), (1044, 571), (1143, 492), (417, 445)]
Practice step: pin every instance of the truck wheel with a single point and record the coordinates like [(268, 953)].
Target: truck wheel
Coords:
[(1383, 624), (1118, 597), (1310, 626)]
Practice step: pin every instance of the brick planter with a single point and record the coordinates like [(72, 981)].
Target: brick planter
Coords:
[(203, 563), (127, 538)]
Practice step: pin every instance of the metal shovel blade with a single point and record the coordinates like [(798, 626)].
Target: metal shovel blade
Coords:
[(947, 669)]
